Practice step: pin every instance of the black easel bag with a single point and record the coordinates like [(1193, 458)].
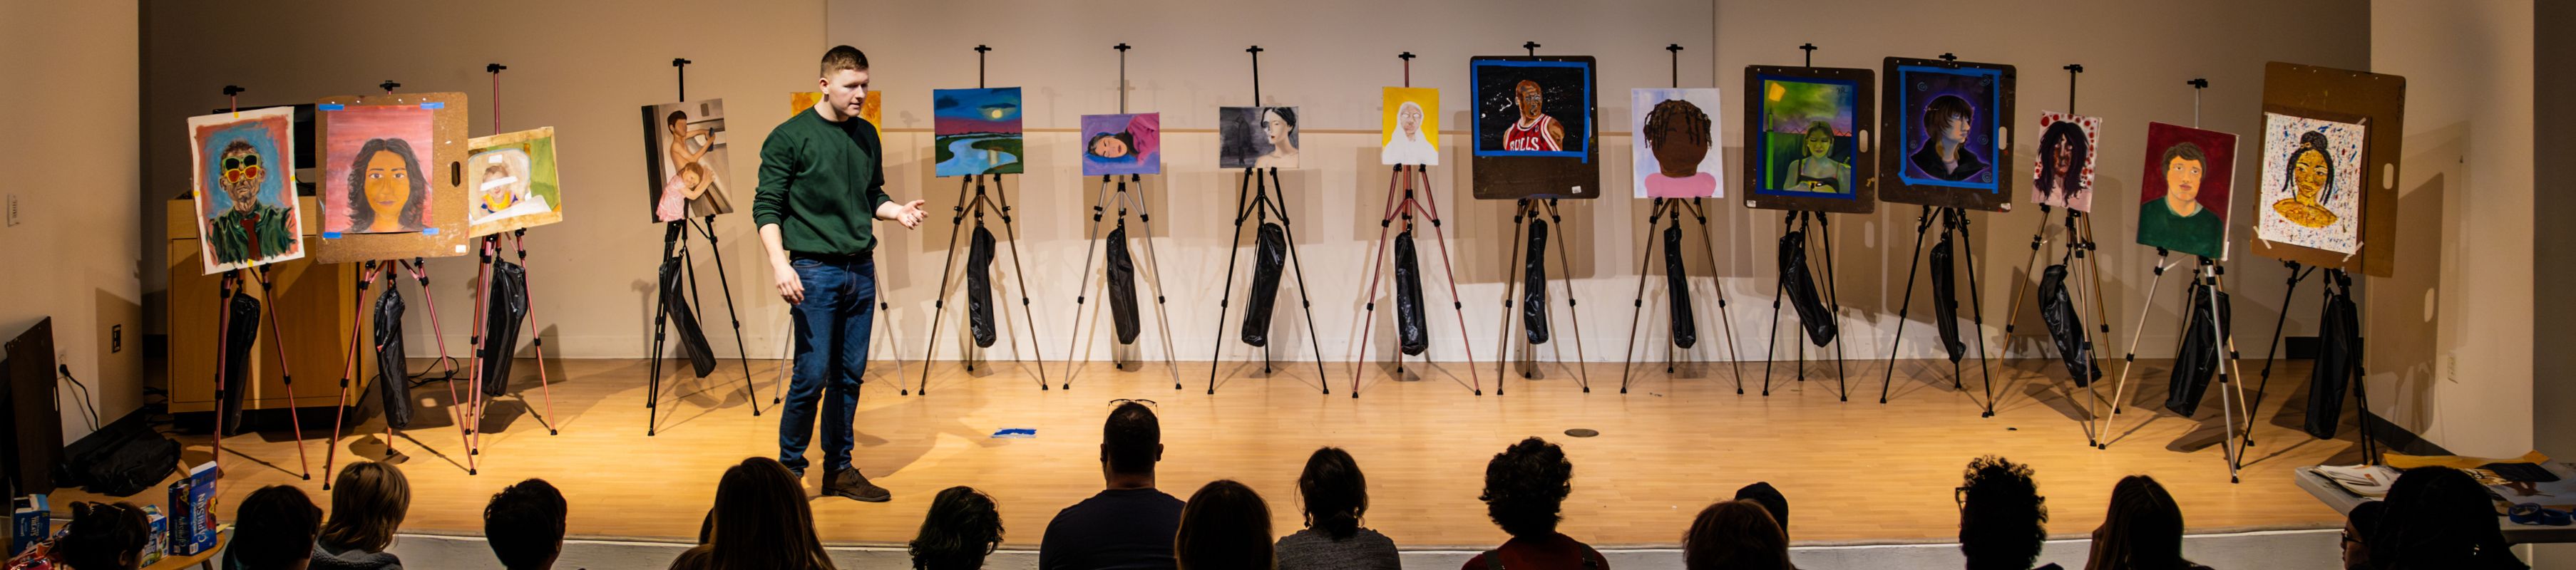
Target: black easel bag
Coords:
[(684, 322), (505, 309), (1677, 286), (1534, 284), (2201, 354), (393, 374), (2066, 326), (239, 336), (1122, 287), (1945, 298), (2338, 364), (1269, 259), (979, 285), (1410, 332), (1800, 286)]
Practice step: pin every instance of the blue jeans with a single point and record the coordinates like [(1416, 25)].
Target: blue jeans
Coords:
[(832, 326)]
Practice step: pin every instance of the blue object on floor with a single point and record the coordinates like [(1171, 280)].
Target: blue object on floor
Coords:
[(1015, 433)]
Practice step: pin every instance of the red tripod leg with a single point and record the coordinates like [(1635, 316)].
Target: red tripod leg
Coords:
[(277, 341)]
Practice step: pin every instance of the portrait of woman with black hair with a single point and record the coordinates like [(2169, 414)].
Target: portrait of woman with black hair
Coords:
[(2064, 175)]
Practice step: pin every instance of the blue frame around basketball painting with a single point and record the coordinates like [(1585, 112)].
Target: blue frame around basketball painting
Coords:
[(1557, 155), (1477, 74)]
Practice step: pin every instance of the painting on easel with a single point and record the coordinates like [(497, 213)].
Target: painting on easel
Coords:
[(1534, 127), (1409, 126), (1949, 127), (2183, 195), (1122, 144), (1256, 137), (512, 179), (2063, 175), (687, 168), (244, 190), (1675, 143), (1806, 145), (2311, 182), (977, 131)]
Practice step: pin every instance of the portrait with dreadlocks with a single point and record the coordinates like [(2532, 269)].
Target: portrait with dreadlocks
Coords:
[(1671, 147)]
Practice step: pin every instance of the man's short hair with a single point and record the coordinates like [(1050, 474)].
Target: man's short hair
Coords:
[(1771, 500), (1131, 439), (274, 527), (2002, 518), (1526, 485), (525, 524), (2185, 151), (844, 57)]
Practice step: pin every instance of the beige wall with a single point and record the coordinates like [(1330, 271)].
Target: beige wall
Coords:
[(585, 72), (2459, 371), (75, 255)]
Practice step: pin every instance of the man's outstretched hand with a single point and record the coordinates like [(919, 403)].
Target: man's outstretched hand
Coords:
[(909, 213)]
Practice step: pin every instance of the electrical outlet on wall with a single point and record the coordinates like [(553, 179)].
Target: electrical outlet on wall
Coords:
[(13, 210), (2451, 365), (115, 339)]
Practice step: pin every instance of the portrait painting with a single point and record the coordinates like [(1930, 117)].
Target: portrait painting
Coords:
[(976, 131), (2311, 181), (1409, 126), (2183, 193), (1806, 141), (1675, 143), (686, 165), (1948, 126), (871, 106), (1534, 127), (1122, 144), (244, 173), (1256, 137), (376, 177), (2063, 174), (512, 181)]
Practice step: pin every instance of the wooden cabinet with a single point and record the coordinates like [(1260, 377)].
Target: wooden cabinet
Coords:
[(316, 309)]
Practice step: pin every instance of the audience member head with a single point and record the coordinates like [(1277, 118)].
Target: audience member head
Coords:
[(2002, 518), (102, 536), (2141, 531), (368, 501), (1131, 441), (2359, 525), (2439, 517), (274, 529), (1224, 526), (1336, 493), (1525, 485), (761, 520), (1771, 501), (962, 528), (1735, 535), (525, 524)]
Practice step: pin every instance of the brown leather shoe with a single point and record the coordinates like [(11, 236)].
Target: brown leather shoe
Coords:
[(849, 483)]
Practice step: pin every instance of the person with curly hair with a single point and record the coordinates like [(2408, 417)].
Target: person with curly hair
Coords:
[(963, 527), (1525, 489), (2002, 517), (1336, 502)]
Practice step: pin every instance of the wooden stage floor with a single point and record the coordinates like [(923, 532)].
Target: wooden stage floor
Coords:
[(1854, 472)]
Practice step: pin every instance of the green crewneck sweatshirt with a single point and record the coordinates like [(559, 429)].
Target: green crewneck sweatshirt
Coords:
[(821, 183)]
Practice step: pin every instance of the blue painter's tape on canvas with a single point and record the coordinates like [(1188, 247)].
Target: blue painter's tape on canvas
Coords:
[(329, 107), (330, 235), (433, 105), (429, 231), (1015, 433)]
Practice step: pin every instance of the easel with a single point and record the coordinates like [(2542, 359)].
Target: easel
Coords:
[(471, 416), (1529, 211), (676, 234), (1406, 207), (1954, 222), (231, 284), (1819, 232), (2078, 245), (1675, 207), (1258, 209), (393, 380), (1144, 219), (2335, 279), (978, 205)]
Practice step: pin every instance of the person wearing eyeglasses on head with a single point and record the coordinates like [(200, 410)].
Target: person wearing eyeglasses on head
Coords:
[(1130, 524)]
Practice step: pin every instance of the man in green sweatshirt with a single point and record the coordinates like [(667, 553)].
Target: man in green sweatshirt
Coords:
[(822, 187)]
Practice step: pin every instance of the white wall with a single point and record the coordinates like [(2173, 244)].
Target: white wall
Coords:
[(2466, 386), (585, 72), (75, 256)]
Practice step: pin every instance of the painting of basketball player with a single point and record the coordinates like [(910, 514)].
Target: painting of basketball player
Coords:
[(1535, 130)]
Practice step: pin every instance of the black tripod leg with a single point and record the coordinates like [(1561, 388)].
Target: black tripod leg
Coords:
[(1511, 284), (1922, 223), (1304, 303), (939, 301), (1836, 301), (1234, 248), (2273, 348), (1028, 312), (1717, 279), (1976, 303), (1637, 312), (1573, 314), (741, 354)]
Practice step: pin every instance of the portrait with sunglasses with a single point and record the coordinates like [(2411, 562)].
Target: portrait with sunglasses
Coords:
[(249, 215)]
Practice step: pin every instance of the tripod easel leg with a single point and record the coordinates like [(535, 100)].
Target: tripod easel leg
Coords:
[(2129, 360), (1244, 209), (1637, 313), (277, 341), (1021, 276), (1573, 313), (1922, 224), (1511, 284), (741, 354), (1717, 280), (1074, 356), (537, 340), (1377, 266), (1466, 342), (2273, 349), (223, 350), (1975, 289), (939, 302), (1162, 312), (1305, 303), (1834, 298)]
